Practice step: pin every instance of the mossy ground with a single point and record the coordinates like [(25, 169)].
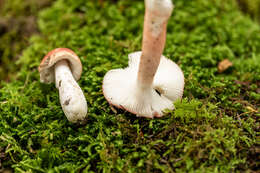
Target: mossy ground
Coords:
[(251, 7), (213, 129), (17, 24)]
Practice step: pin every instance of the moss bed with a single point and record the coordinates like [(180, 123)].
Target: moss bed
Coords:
[(215, 127)]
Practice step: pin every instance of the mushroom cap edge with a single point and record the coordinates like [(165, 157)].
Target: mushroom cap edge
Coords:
[(46, 67)]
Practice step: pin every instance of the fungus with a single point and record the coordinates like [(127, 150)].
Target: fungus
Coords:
[(63, 67), (151, 82)]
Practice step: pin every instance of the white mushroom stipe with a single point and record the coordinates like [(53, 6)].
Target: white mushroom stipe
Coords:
[(158, 11), (161, 6), (72, 99), (151, 82)]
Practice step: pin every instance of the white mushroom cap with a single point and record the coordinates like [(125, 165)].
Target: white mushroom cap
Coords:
[(121, 88), (46, 68)]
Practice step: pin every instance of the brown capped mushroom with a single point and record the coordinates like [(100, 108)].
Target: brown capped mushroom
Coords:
[(63, 67)]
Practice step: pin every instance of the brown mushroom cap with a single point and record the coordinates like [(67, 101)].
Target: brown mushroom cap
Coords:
[(46, 68)]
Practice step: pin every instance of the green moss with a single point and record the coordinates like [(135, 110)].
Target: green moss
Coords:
[(213, 129), (17, 24), (251, 7)]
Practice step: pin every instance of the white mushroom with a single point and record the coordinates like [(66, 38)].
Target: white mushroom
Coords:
[(151, 82), (63, 67)]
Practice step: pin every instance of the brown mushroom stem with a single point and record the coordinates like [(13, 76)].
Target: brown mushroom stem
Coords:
[(154, 36)]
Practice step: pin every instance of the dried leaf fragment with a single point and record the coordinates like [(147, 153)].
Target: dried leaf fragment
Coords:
[(251, 109), (224, 65)]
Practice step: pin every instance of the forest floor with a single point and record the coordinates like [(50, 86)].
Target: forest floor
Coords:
[(214, 128)]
